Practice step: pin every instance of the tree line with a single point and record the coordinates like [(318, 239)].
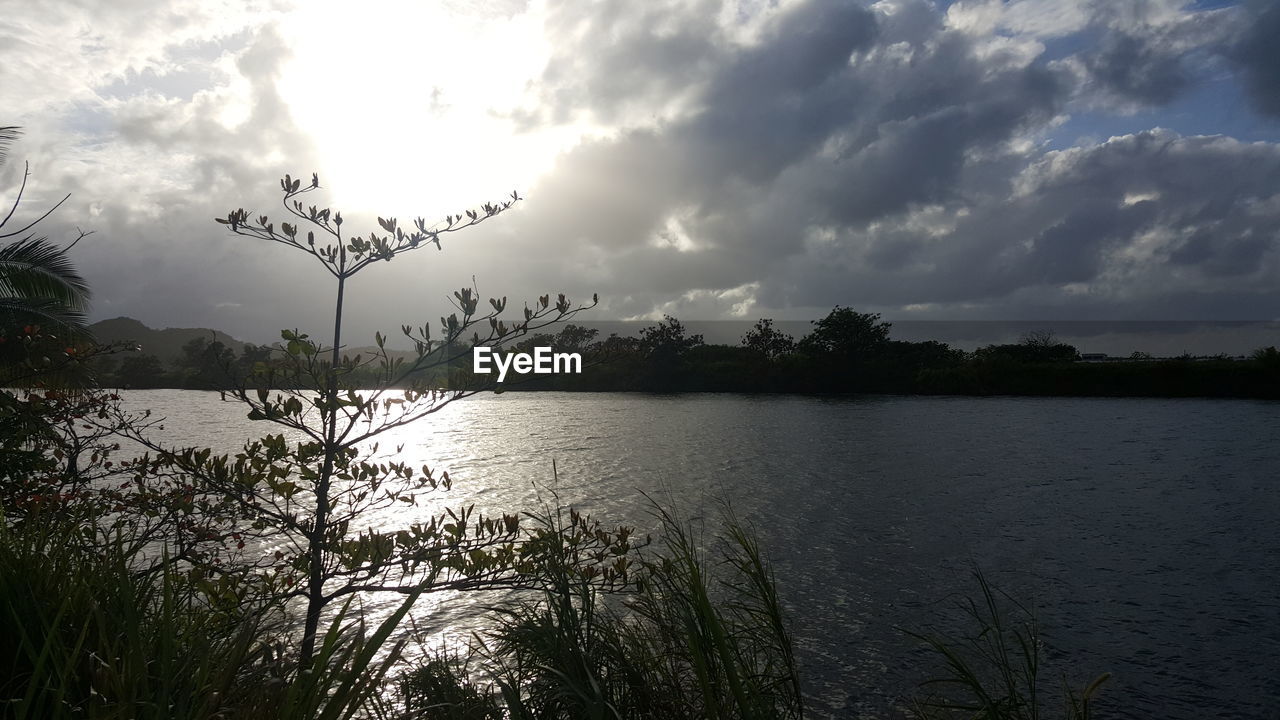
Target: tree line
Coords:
[(845, 352), (851, 352)]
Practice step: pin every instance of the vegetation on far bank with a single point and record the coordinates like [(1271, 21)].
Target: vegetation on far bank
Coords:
[(847, 352)]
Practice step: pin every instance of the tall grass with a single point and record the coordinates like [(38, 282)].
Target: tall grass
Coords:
[(88, 636), (699, 633), (688, 627), (92, 638), (995, 673)]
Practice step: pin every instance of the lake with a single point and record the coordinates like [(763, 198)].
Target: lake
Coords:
[(1145, 533)]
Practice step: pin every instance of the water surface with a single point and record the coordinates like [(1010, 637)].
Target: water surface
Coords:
[(1145, 532)]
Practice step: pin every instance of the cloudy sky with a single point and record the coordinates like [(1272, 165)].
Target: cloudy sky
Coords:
[(1029, 159)]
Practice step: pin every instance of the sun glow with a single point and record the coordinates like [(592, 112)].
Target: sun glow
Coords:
[(411, 105)]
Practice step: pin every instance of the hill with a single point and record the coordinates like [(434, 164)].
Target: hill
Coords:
[(165, 344)]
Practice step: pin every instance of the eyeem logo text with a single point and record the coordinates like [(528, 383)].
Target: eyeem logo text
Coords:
[(541, 362)]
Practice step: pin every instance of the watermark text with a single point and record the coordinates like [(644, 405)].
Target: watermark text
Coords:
[(542, 361)]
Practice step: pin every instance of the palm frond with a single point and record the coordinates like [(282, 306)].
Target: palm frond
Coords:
[(8, 135), (17, 312), (34, 268)]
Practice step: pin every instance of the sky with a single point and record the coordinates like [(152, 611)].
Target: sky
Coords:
[(1019, 160)]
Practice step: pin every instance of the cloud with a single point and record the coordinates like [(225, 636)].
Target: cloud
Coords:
[(167, 167), (625, 63), (834, 116), (1138, 68), (1040, 19), (1123, 223), (900, 168), (60, 55), (1149, 52), (716, 158), (1258, 56)]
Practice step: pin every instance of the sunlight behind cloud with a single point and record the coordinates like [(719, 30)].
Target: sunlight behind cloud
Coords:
[(408, 104)]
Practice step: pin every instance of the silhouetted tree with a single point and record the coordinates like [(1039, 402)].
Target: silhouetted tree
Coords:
[(845, 334), (141, 371), (311, 494), (1043, 346), (667, 339), (574, 338), (767, 341), (1035, 347), (251, 354), (207, 364), (1268, 357)]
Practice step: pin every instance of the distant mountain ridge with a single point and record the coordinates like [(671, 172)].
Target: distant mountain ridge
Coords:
[(165, 344)]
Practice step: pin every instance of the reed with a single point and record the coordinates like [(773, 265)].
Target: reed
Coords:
[(697, 633), (995, 672), (93, 637)]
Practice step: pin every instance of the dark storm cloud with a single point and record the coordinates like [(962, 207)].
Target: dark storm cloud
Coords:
[(916, 156), (1142, 214), (776, 102), (833, 116), (1258, 54), (1148, 52), (881, 157), (1138, 68)]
